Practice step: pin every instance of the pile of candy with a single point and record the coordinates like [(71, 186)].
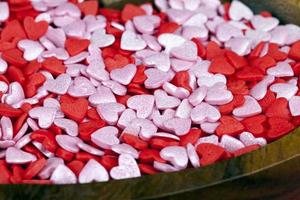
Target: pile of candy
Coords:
[(91, 94)]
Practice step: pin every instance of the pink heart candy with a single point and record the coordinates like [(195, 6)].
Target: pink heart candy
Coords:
[(146, 128), (4, 11), (198, 19), (210, 81), (170, 41), (69, 126), (187, 51), (81, 87), (155, 78), (54, 103), (32, 49), (3, 87), (93, 171), (159, 60), (60, 85), (166, 135), (282, 69), (208, 127), (128, 168), (200, 69), (217, 95), (180, 65), (205, 113), (142, 104), (250, 108), (159, 119), (198, 96), (151, 42), (126, 117), (125, 149), (74, 69), (7, 143), (96, 70), (178, 15), (164, 167), (227, 31), (231, 144), (77, 58), (21, 132), (260, 89), (192, 155), (163, 101), (7, 128), (248, 139), (239, 11), (15, 93), (75, 29), (103, 95), (59, 53), (51, 165), (146, 23), (294, 105), (94, 23), (173, 90), (110, 112), (240, 45), (284, 90), (63, 175), (258, 36), (44, 115), (3, 66), (106, 137), (184, 109), (115, 87), (100, 39), (41, 148), (14, 155), (130, 41), (68, 142), (67, 9), (57, 36), (90, 149), (176, 155), (212, 139), (264, 23), (124, 75), (178, 126)]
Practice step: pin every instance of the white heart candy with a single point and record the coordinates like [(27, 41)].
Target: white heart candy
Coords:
[(198, 96), (179, 16), (59, 53), (110, 112), (184, 109), (248, 139), (208, 127), (14, 155), (173, 90), (198, 19), (282, 69), (178, 126), (146, 23), (63, 175), (159, 60), (103, 95), (187, 51), (217, 95), (3, 65), (60, 85), (15, 93), (68, 142), (205, 113), (128, 168), (163, 101), (159, 119), (231, 144), (170, 41), (51, 165), (32, 49), (264, 23), (239, 45), (155, 78), (68, 125), (250, 108), (125, 149), (142, 104), (126, 117), (259, 91), (81, 87), (93, 171), (7, 128), (193, 156), (44, 115), (294, 105), (124, 75), (106, 137), (132, 42), (210, 81), (227, 31), (175, 155), (115, 87), (284, 90), (212, 139), (239, 11), (100, 39), (4, 11), (146, 128)]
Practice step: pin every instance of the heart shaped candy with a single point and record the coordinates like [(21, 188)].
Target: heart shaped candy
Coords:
[(249, 109), (124, 75), (198, 96), (35, 30), (60, 85), (81, 87), (142, 104), (100, 39), (210, 81), (265, 24), (231, 144), (159, 60), (192, 155), (93, 171), (146, 23), (105, 137), (4, 10), (284, 90), (146, 128), (155, 78), (159, 119), (132, 42), (170, 41), (248, 139), (125, 149), (218, 95), (32, 49), (294, 105), (163, 101), (68, 142), (69, 126), (282, 69), (110, 112), (44, 115), (126, 117), (175, 155), (128, 168), (14, 155), (15, 93), (63, 175), (7, 128), (103, 95), (51, 165), (205, 113), (239, 11), (178, 126), (187, 51)]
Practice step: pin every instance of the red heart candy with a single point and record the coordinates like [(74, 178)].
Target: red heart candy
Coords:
[(12, 30), (182, 79), (279, 108), (294, 52), (75, 46), (275, 52), (150, 155), (236, 60), (167, 27), (93, 114), (130, 11), (191, 137), (34, 168), (15, 74), (278, 128), (64, 154), (267, 100), (31, 68), (237, 101), (34, 81), (229, 126), (209, 153), (160, 143), (89, 7), (45, 137), (109, 161), (35, 30), (87, 128), (54, 66), (250, 74), (201, 48), (222, 66), (238, 87), (8, 111), (139, 77), (213, 50), (256, 52), (255, 125), (245, 150), (76, 110), (14, 57), (147, 169), (134, 141), (118, 61), (76, 166), (263, 63)]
